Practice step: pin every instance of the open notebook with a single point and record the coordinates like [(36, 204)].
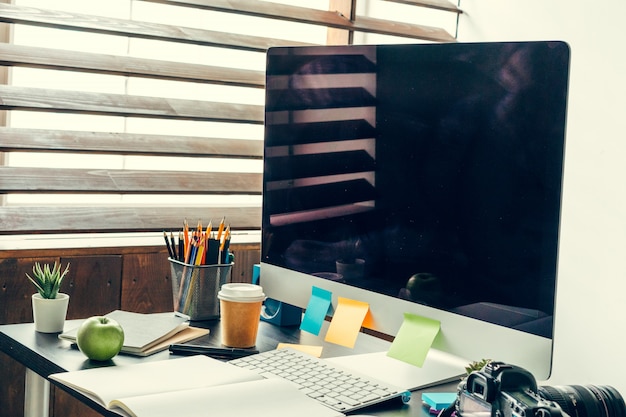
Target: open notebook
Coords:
[(191, 386)]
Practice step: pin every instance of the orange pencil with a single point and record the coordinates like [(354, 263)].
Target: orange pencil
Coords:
[(187, 241), (206, 237)]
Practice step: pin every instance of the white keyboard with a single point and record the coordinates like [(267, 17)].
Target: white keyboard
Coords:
[(338, 388)]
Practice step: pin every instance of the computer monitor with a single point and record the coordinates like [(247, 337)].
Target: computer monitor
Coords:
[(421, 178)]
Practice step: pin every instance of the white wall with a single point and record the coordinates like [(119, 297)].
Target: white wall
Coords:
[(591, 302)]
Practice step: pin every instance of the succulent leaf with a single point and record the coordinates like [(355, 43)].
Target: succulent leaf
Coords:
[(476, 365), (46, 280)]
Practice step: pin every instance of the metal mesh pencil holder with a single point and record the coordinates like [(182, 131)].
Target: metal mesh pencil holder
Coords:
[(195, 288)]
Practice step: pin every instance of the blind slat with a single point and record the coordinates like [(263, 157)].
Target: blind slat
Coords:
[(90, 219), (56, 59), (432, 4), (145, 30), (385, 27), (39, 140), (37, 99), (331, 19), (65, 180)]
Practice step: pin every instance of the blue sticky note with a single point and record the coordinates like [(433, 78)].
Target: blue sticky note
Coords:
[(256, 273), (316, 310), (439, 400)]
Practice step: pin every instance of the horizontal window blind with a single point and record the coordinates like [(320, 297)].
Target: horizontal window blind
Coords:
[(131, 115)]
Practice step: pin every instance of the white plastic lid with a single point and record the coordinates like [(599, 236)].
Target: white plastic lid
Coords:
[(241, 292)]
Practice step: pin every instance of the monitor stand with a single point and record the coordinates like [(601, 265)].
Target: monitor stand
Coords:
[(280, 314)]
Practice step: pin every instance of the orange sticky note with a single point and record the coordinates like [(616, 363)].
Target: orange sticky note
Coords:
[(346, 322)]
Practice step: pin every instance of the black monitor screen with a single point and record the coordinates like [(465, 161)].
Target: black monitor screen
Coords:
[(427, 172)]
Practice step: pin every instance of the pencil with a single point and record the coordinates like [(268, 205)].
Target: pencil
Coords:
[(209, 227), (186, 234), (226, 236), (220, 229), (206, 236), (169, 247), (199, 254), (172, 245), (224, 247)]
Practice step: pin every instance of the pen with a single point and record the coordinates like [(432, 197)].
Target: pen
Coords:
[(212, 256), (169, 247), (172, 245), (181, 247), (215, 352)]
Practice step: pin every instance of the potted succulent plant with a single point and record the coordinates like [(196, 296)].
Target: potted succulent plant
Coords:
[(49, 305), (350, 264)]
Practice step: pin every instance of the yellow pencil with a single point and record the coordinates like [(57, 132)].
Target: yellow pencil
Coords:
[(220, 229), (226, 237), (205, 240), (199, 254), (207, 234)]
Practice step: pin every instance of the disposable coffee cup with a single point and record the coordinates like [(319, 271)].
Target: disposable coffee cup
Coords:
[(240, 307)]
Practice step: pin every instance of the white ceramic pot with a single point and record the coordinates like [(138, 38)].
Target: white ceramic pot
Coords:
[(351, 270), (49, 314)]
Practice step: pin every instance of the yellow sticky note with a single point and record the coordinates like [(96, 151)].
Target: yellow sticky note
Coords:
[(310, 349), (347, 321), (414, 339)]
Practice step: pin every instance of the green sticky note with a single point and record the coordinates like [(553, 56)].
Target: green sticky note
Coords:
[(414, 339)]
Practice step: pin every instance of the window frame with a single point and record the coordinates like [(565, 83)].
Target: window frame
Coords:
[(342, 23)]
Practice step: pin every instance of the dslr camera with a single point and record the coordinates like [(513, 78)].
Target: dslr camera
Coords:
[(502, 390)]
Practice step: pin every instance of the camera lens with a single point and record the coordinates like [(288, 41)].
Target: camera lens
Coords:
[(586, 400)]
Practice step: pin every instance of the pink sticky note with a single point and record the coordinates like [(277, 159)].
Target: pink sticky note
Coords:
[(346, 322)]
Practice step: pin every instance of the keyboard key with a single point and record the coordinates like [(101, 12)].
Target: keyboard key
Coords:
[(340, 389)]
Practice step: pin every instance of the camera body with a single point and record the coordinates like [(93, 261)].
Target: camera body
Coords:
[(502, 390)]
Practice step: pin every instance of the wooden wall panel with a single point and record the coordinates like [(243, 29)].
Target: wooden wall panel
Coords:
[(244, 260), (146, 283), (11, 393), (15, 296), (94, 284)]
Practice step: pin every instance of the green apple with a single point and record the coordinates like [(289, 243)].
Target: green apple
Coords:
[(424, 287), (100, 338)]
